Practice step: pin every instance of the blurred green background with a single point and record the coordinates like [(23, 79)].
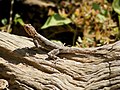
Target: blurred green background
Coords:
[(81, 23)]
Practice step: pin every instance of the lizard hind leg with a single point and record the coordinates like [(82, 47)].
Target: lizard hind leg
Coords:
[(52, 54)]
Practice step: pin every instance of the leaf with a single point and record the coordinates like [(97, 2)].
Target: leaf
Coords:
[(101, 17), (4, 21), (55, 20), (18, 19), (104, 12), (116, 6), (95, 6)]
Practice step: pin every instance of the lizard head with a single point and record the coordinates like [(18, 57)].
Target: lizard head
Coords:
[(30, 30)]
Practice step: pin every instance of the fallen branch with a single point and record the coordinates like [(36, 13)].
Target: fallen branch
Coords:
[(28, 69)]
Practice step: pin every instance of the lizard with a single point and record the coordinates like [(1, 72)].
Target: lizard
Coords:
[(53, 48)]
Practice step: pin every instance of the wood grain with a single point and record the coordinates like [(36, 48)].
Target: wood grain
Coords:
[(26, 68)]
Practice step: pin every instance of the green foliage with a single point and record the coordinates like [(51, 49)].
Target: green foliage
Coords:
[(18, 19), (116, 6), (4, 21), (96, 6), (98, 27), (92, 19), (101, 18), (56, 20), (6, 27)]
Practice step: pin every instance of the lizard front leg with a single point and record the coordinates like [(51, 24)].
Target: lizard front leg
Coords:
[(52, 54), (37, 45)]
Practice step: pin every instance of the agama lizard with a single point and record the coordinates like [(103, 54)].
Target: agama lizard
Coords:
[(53, 48)]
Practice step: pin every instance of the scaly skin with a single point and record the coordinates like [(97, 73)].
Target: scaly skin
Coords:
[(53, 48)]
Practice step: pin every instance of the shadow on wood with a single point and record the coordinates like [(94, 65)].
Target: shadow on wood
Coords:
[(25, 68)]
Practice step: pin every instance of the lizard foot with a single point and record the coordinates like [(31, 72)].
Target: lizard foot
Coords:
[(52, 54)]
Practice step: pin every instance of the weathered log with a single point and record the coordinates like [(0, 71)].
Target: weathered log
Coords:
[(28, 69), (41, 3)]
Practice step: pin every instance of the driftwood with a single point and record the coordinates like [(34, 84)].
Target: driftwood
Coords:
[(25, 68)]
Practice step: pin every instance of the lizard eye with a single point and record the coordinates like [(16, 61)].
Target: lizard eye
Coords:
[(26, 27)]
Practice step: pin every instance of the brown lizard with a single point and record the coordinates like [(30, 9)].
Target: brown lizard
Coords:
[(53, 48)]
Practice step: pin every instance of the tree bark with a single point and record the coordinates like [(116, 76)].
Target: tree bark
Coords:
[(27, 68)]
